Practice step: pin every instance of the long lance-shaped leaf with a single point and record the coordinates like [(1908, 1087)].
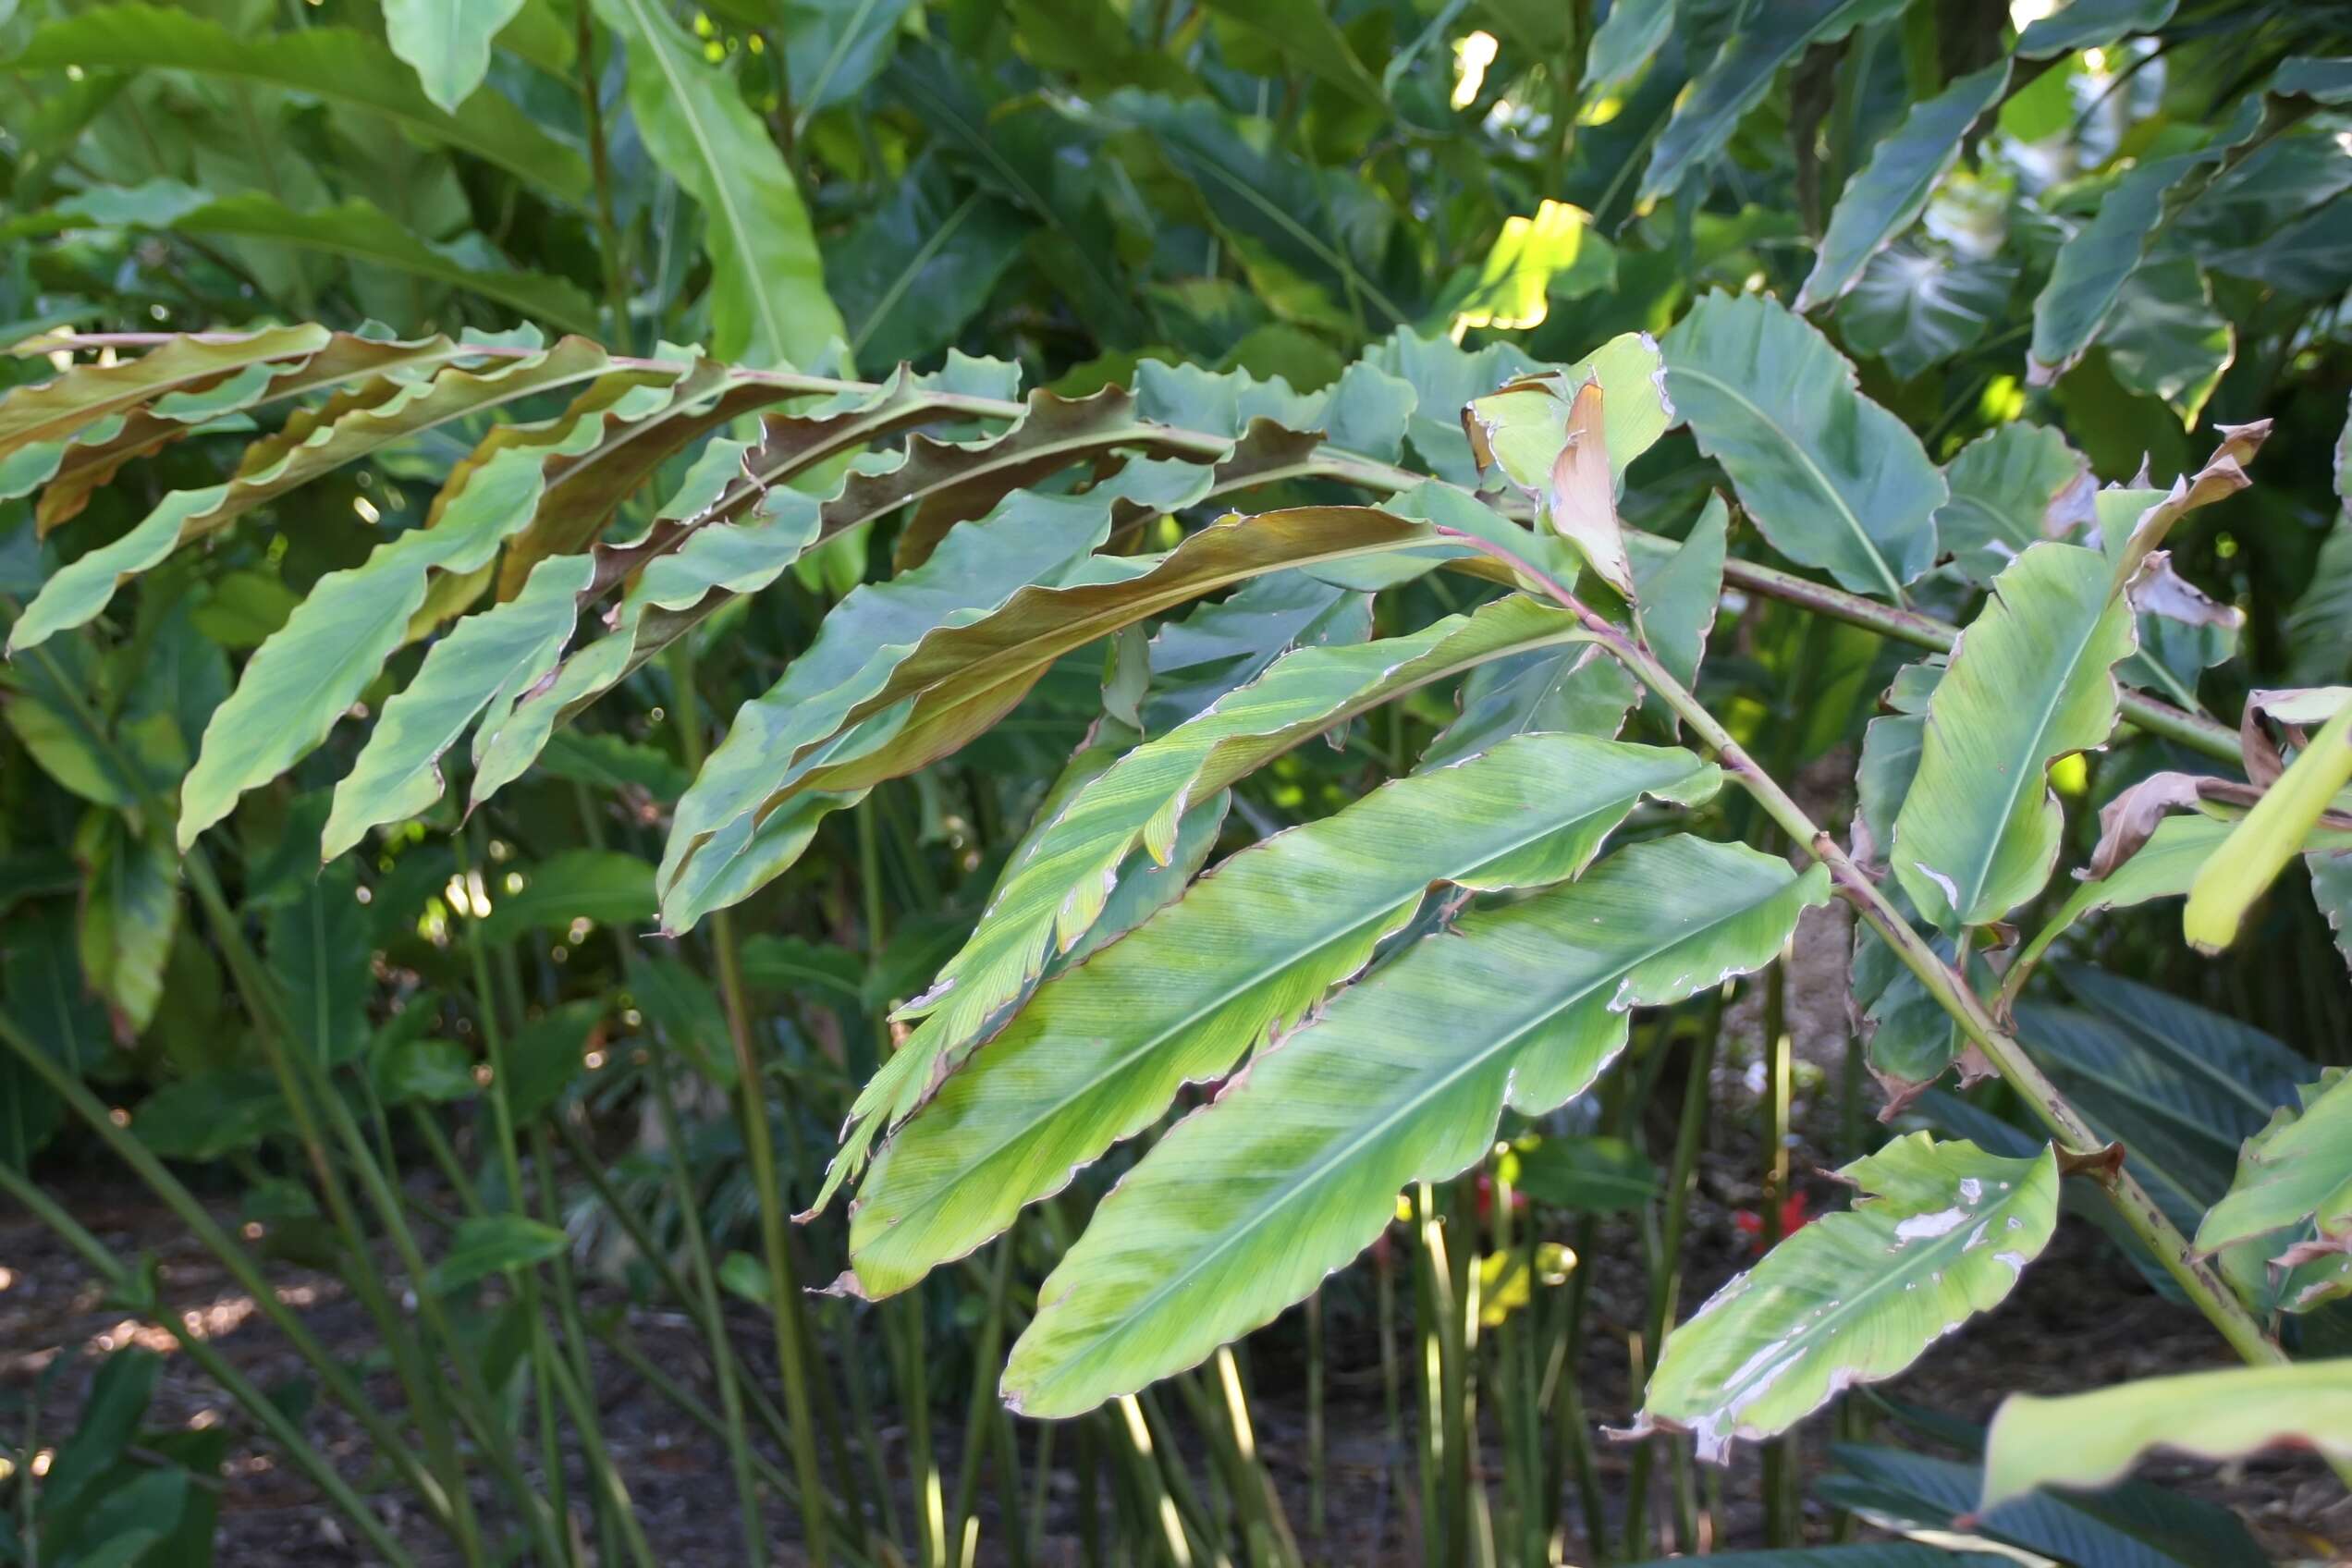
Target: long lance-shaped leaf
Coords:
[(1940, 1234), (1892, 191), (335, 64), (2032, 681), (91, 460), (977, 569), (2091, 1439), (965, 677), (1832, 478), (311, 669), (1741, 74), (964, 673), (2259, 847), (447, 41), (347, 426), (1052, 894), (1249, 1202), (52, 413), (2087, 278), (768, 298), (489, 656), (1099, 1051)]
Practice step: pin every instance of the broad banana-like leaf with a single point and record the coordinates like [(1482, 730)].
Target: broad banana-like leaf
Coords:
[(490, 656), (1247, 1204), (2163, 868), (978, 567), (313, 442), (2092, 1440), (331, 63), (311, 669), (2092, 24), (1833, 479), (1893, 189), (967, 670), (1097, 1053), (2031, 682), (767, 302), (447, 41), (2012, 488), (2087, 278), (2297, 1171), (2271, 834), (1741, 74), (1940, 1232), (1053, 892)]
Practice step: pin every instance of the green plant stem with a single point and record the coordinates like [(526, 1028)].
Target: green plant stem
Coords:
[(2195, 731), (984, 1376), (2073, 1135), (1777, 1454), (1315, 1375), (252, 1400), (340, 1384), (608, 1495), (707, 1305), (783, 1281), (524, 1281), (592, 108)]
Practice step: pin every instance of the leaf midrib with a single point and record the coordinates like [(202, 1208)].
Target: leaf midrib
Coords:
[(1805, 456), (1110, 1069)]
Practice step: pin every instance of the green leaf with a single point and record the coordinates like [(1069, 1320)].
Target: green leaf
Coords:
[(358, 231), (2087, 278), (548, 1053), (492, 1243), (768, 300), (1940, 1234), (1915, 307), (129, 911), (832, 48), (1832, 478), (212, 1115), (601, 886), (1629, 36), (2012, 487), (1059, 880), (309, 674), (2296, 1171), (1893, 189), (1097, 1053), (385, 409), (1739, 77), (1305, 34), (1585, 1175), (335, 64), (772, 743), (2032, 681), (2091, 1439), (489, 658), (1870, 1554), (405, 1069), (318, 952), (2092, 24), (447, 41), (2260, 846), (2165, 338), (911, 276), (1295, 1167)]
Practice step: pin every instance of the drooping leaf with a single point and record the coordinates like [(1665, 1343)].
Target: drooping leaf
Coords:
[(2092, 24), (336, 64), (832, 48), (1296, 1166), (1097, 1053), (489, 657), (2091, 1439), (1893, 189), (1627, 39), (2032, 681), (447, 41), (2166, 341), (2012, 487), (1940, 1234), (129, 911), (1832, 478), (2092, 266), (1303, 32), (2296, 1170), (1741, 74), (768, 304)]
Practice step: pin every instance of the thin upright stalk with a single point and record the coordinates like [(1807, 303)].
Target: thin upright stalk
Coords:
[(984, 1377), (1779, 1454), (592, 108)]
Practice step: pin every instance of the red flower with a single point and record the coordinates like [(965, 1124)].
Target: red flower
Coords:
[(1794, 1218)]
